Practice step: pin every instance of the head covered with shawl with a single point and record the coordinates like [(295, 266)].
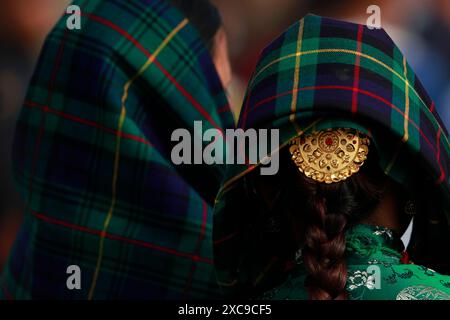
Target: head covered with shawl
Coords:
[(332, 89), (92, 159)]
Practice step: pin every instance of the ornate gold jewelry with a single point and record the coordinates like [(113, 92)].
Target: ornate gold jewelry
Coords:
[(331, 155)]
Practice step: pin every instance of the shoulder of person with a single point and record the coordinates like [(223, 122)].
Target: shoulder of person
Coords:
[(398, 282)]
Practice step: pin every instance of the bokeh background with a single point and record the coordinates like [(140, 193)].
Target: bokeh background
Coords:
[(421, 28)]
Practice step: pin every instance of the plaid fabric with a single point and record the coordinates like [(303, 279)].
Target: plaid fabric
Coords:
[(92, 159), (322, 73)]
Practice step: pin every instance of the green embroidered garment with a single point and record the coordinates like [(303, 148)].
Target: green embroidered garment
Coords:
[(375, 271)]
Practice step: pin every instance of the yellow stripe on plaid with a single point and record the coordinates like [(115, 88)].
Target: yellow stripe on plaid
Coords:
[(337, 50), (232, 180), (122, 117), (406, 118), (296, 77)]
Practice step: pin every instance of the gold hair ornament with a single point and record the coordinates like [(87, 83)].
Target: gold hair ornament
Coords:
[(330, 155)]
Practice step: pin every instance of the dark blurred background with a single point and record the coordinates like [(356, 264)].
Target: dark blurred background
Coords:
[(421, 28)]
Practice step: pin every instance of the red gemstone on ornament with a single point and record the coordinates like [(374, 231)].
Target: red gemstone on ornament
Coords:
[(328, 141)]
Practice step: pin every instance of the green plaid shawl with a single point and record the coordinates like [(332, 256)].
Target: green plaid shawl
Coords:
[(92, 159), (322, 73)]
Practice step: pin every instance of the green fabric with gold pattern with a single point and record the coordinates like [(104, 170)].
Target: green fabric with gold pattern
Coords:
[(375, 271)]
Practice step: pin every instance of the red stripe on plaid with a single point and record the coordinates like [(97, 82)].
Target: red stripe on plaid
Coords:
[(357, 70), (432, 107), (140, 243), (188, 96), (225, 108), (47, 109), (198, 246), (136, 43), (245, 110), (365, 92)]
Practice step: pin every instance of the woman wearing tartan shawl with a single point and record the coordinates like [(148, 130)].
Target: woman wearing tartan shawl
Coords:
[(363, 155), (92, 155)]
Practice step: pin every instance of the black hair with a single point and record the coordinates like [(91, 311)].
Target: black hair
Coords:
[(204, 16)]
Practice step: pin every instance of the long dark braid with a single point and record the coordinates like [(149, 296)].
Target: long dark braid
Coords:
[(324, 249), (330, 209)]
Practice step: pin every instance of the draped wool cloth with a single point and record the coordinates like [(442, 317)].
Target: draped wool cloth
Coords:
[(322, 73), (92, 159)]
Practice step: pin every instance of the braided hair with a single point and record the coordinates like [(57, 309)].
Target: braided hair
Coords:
[(328, 211)]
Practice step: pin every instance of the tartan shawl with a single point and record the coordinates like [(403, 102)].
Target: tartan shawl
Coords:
[(323, 73), (92, 159)]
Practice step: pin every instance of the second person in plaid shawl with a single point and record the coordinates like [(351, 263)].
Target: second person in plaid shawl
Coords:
[(92, 156)]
